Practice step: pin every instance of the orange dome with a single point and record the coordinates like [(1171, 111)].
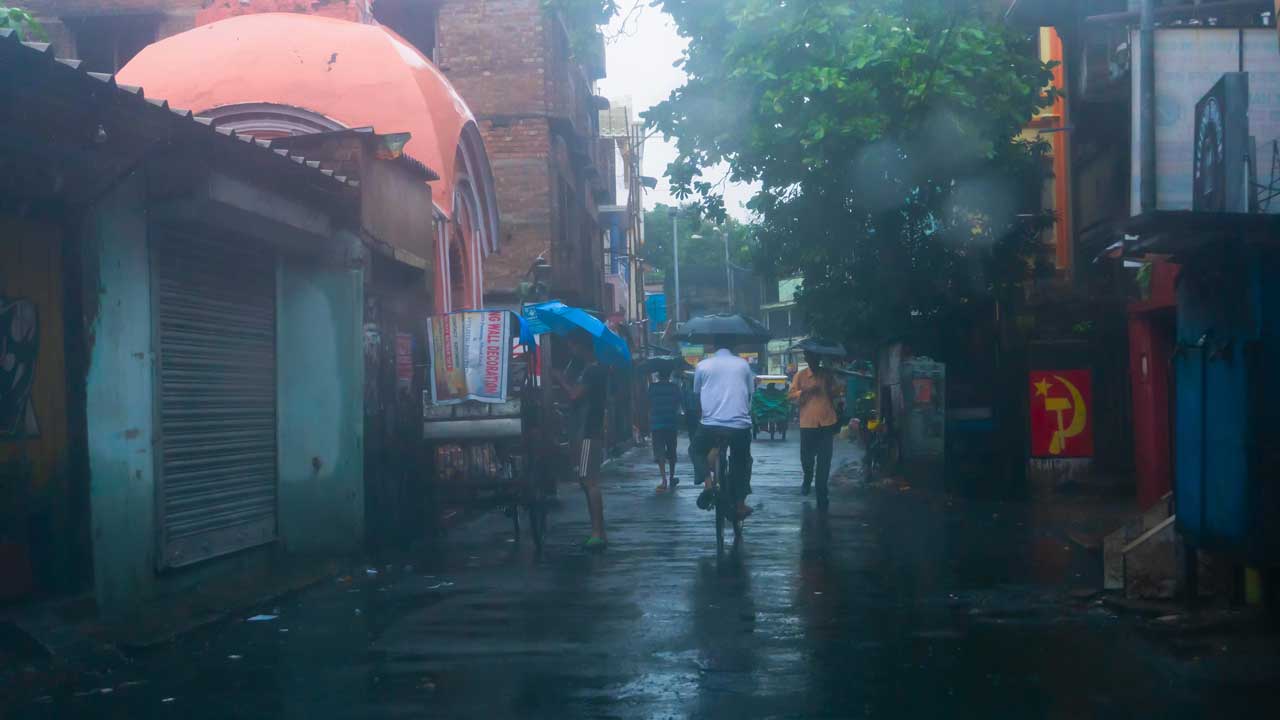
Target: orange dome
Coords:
[(351, 74)]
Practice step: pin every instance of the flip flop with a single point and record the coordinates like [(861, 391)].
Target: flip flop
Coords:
[(706, 499), (594, 544), (660, 489)]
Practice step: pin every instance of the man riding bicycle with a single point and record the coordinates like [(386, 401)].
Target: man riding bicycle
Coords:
[(724, 383)]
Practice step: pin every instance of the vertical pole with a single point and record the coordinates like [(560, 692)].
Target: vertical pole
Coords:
[(1147, 110), (728, 273), (675, 250)]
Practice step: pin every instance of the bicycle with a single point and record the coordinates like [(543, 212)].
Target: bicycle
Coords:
[(729, 491), (879, 453)]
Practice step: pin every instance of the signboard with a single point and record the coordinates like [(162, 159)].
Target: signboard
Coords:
[(531, 319), (470, 354), (1061, 424), (655, 305), (404, 361), (1219, 181)]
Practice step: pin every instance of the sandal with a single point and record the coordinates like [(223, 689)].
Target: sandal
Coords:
[(594, 544), (707, 499), (661, 489)]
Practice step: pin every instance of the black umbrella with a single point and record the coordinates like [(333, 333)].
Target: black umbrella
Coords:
[(818, 346), (740, 328)]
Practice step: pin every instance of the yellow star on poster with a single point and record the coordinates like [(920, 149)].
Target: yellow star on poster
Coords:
[(1042, 387)]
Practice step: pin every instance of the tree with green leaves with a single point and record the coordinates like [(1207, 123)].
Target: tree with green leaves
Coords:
[(706, 250), (582, 19), (886, 139), (23, 23)]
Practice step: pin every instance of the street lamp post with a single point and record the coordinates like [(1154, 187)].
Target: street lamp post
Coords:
[(728, 268), (728, 271), (675, 251)]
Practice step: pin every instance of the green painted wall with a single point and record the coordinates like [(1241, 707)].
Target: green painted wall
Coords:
[(320, 425), (119, 398), (320, 406)]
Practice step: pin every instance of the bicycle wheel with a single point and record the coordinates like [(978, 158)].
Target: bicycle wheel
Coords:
[(722, 478), (719, 527)]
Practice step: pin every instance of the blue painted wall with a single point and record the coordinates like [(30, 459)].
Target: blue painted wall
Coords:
[(119, 399), (321, 394), (1226, 397)]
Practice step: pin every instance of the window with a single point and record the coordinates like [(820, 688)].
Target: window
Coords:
[(106, 44), (780, 322)]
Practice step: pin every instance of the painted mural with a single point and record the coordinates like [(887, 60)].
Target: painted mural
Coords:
[(19, 351)]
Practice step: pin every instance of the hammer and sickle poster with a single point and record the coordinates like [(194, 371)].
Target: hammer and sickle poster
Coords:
[(1061, 413)]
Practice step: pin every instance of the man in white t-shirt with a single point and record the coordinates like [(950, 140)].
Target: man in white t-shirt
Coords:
[(724, 383)]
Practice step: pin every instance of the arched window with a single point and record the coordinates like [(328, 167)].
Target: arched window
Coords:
[(468, 236), (459, 287), (269, 120), (473, 164)]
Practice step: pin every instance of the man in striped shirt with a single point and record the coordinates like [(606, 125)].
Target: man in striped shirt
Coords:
[(664, 419)]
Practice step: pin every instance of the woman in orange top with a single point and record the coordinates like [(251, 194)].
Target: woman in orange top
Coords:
[(815, 390)]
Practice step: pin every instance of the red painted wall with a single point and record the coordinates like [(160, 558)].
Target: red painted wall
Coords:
[(1152, 335)]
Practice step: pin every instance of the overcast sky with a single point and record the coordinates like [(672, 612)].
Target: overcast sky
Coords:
[(640, 60)]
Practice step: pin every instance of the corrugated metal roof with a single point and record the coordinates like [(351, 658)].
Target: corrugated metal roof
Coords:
[(318, 144), (10, 43)]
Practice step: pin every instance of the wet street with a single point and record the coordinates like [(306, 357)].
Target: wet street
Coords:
[(893, 604)]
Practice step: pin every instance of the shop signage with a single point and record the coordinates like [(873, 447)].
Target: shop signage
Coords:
[(470, 354)]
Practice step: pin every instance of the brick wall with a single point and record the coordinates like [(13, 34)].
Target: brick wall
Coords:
[(508, 58), (495, 53), (53, 8), (353, 10), (518, 155), (170, 17)]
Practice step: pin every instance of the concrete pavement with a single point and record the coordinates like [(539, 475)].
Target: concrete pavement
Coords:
[(892, 604)]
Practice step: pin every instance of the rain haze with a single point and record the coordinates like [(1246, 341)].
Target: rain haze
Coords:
[(349, 369), (643, 48)]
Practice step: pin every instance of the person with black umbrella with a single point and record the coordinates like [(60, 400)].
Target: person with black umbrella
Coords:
[(815, 390), (724, 383)]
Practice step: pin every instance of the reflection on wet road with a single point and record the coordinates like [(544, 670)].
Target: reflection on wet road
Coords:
[(891, 604)]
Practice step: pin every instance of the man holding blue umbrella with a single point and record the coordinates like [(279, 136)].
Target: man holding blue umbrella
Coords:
[(592, 345), (587, 392)]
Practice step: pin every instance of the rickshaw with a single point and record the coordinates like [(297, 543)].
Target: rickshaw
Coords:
[(489, 455), (770, 407)]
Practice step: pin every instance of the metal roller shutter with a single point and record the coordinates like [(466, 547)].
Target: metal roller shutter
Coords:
[(215, 329)]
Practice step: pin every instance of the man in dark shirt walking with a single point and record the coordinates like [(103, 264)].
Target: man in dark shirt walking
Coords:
[(664, 418), (587, 394)]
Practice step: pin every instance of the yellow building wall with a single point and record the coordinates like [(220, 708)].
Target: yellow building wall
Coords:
[(33, 399)]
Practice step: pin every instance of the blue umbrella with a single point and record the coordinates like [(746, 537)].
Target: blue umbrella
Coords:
[(562, 320)]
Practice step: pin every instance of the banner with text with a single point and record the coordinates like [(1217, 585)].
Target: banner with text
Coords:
[(470, 355)]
